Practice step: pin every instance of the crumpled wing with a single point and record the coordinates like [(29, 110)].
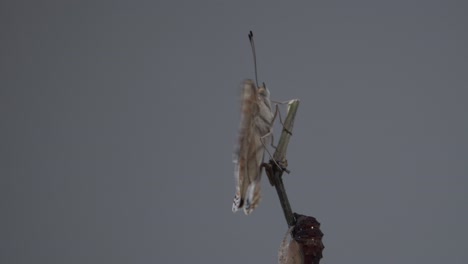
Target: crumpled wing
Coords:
[(249, 153)]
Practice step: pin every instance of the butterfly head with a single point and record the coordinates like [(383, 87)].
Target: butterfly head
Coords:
[(263, 91)]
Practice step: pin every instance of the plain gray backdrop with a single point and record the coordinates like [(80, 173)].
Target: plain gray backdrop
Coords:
[(118, 122)]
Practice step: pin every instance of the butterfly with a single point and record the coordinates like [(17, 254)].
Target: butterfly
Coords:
[(255, 129)]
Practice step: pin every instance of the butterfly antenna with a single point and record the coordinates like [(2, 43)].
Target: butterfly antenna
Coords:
[(252, 44)]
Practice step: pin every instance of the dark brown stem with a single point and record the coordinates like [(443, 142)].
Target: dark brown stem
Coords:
[(305, 229), (276, 173)]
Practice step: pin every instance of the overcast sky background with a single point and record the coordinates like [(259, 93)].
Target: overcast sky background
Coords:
[(118, 122)]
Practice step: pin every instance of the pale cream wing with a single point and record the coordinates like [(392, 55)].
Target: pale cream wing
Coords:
[(244, 167), (253, 173)]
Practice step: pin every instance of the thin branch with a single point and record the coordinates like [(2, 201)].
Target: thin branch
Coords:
[(275, 173)]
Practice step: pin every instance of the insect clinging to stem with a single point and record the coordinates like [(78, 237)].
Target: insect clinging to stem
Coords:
[(255, 129)]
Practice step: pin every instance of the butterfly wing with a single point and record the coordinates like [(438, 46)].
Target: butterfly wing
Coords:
[(249, 152), (260, 134)]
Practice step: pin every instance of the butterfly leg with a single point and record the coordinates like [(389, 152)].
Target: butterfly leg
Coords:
[(277, 112), (262, 139), (271, 156)]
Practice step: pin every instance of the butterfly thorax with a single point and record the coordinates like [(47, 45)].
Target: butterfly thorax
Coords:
[(264, 119)]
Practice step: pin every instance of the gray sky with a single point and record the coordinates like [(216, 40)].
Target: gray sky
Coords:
[(118, 122)]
